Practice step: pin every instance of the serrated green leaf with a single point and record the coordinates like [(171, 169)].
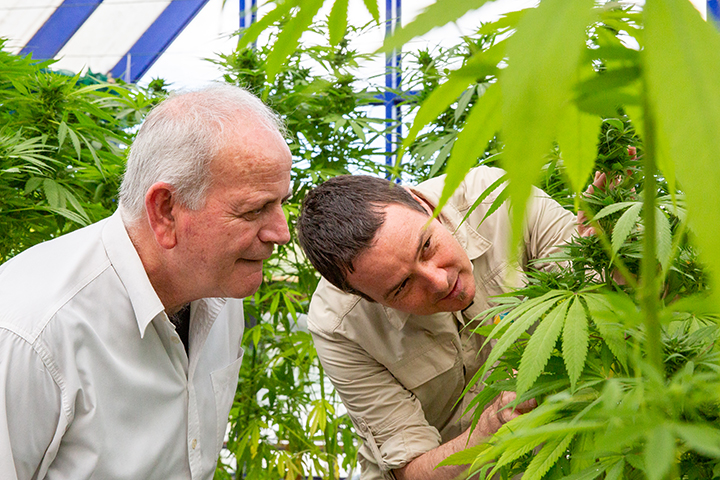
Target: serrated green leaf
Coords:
[(616, 471), (337, 21), (436, 14), (289, 37), (32, 184), (70, 215), (540, 347), (612, 332), (517, 450), (464, 101), (466, 456), (62, 132), (251, 33), (543, 58), (685, 101), (372, 7), (612, 208), (547, 457), (518, 327), (577, 137), (703, 439), (76, 142), (624, 226), (659, 452), (592, 472), (575, 341), (481, 125), (53, 194), (479, 65), (663, 238), (484, 195)]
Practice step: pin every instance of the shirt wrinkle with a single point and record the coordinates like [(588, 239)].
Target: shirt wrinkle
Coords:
[(376, 352), (97, 392)]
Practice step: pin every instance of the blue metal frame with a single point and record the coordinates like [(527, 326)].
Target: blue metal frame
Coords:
[(393, 79), (248, 17), (713, 9), (59, 28), (153, 43)]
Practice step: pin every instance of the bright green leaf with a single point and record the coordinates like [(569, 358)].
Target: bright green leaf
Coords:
[(624, 226), (337, 21), (703, 439), (540, 347), (372, 7), (543, 59), (436, 14), (575, 341), (251, 33), (289, 37), (577, 137), (481, 125), (659, 452), (547, 457), (685, 100), (663, 237), (478, 66), (53, 193)]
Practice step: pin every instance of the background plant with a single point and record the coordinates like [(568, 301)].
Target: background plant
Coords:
[(636, 366), (62, 142)]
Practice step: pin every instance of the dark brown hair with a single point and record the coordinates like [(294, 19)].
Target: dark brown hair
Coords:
[(339, 220)]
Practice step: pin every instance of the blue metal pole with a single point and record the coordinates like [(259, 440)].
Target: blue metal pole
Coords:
[(59, 28), (393, 79), (176, 16)]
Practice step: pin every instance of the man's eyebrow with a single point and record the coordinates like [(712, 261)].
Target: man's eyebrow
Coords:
[(423, 236)]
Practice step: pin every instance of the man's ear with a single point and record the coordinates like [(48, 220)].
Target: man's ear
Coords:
[(159, 202), (428, 208)]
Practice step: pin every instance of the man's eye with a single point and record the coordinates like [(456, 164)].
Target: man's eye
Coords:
[(401, 287), (426, 246), (253, 214)]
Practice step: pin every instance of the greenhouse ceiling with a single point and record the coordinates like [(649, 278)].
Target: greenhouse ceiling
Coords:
[(125, 38)]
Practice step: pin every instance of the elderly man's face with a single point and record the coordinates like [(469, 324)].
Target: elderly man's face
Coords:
[(225, 242), (412, 268)]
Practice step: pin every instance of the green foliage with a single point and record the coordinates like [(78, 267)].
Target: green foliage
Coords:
[(626, 372), (62, 145), (285, 418)]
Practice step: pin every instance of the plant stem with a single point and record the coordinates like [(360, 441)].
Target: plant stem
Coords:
[(649, 290)]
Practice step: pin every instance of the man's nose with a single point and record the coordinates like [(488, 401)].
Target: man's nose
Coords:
[(276, 229), (436, 279)]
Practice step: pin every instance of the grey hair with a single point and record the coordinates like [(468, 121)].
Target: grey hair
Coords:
[(180, 138)]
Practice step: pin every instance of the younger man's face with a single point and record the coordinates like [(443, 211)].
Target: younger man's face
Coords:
[(412, 268)]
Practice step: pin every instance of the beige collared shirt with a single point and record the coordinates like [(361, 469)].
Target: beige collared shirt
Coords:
[(400, 375)]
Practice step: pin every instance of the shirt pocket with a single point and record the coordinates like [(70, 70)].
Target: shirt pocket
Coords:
[(434, 375), (224, 384)]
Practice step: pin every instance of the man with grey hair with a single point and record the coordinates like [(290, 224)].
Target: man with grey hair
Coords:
[(120, 342)]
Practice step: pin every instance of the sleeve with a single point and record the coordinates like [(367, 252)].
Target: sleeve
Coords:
[(30, 409), (549, 226), (388, 417)]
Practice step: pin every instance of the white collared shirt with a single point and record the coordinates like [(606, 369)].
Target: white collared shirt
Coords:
[(94, 381)]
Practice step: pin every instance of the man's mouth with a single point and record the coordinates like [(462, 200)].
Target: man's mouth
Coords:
[(455, 291)]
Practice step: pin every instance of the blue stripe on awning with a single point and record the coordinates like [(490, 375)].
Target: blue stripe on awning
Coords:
[(176, 16), (59, 28)]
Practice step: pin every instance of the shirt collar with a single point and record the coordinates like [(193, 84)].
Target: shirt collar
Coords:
[(469, 239), (129, 268)]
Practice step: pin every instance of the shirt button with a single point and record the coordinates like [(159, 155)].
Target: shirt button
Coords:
[(194, 443), (175, 340)]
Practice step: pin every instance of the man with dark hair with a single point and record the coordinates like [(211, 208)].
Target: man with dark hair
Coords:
[(392, 318), (120, 342)]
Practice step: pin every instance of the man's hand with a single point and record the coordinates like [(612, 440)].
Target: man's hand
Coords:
[(498, 414), (492, 418), (600, 181)]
